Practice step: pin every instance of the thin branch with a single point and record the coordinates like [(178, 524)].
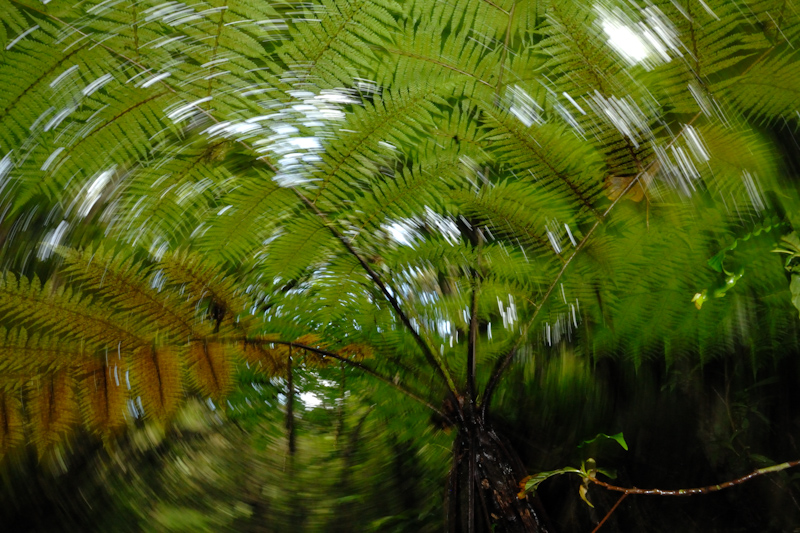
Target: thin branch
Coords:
[(325, 353), (609, 513), (503, 362), (429, 354), (698, 490)]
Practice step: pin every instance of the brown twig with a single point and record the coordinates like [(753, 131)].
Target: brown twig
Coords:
[(610, 512), (697, 490), (626, 491)]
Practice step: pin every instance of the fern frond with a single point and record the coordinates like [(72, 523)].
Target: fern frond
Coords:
[(258, 354), (567, 167), (398, 118), (329, 48), (25, 356), (250, 213), (104, 396), (54, 411), (211, 368), (12, 431), (202, 279), (305, 243), (156, 374), (129, 286), (769, 91), (357, 352), (63, 313)]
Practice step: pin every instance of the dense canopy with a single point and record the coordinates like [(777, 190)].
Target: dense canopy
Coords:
[(440, 198)]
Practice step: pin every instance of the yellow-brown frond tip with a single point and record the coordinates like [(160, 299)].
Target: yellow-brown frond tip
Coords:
[(272, 361), (356, 352), (54, 411), (314, 341), (103, 397), (211, 368), (11, 429), (156, 373)]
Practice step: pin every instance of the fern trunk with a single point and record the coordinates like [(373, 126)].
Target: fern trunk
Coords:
[(483, 487)]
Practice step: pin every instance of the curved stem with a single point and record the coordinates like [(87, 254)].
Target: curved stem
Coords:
[(427, 351)]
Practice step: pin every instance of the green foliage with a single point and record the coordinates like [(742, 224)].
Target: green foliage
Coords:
[(619, 438), (216, 178)]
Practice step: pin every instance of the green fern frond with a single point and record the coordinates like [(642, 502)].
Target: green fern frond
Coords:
[(329, 47), (247, 218), (769, 91), (128, 285), (201, 280), (542, 155), (24, 356), (352, 160)]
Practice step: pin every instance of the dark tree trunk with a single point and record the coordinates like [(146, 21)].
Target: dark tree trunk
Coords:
[(484, 485)]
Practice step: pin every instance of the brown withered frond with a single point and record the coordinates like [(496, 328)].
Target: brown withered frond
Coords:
[(210, 368), (356, 352), (313, 358), (54, 410), (103, 397), (270, 360), (11, 428), (156, 373)]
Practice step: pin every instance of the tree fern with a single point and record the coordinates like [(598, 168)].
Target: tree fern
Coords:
[(423, 189)]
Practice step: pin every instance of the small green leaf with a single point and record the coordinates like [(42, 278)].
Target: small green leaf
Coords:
[(608, 472), (583, 490), (716, 261), (619, 438), (531, 483), (795, 288)]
